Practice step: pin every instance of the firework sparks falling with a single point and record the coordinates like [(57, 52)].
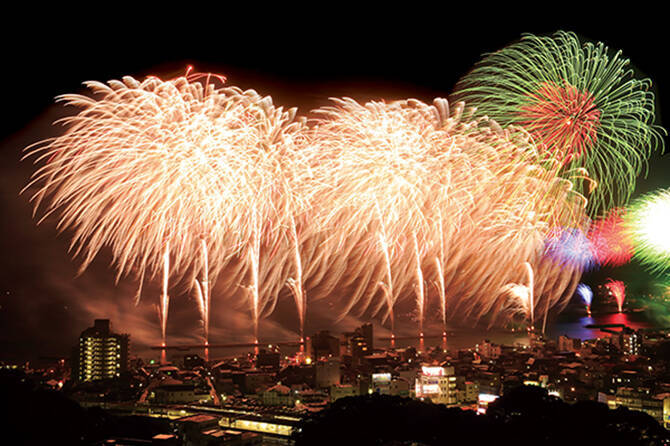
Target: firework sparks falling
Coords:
[(296, 283), (203, 183), (578, 101), (570, 247), (524, 294), (368, 158), (617, 289), (161, 163), (420, 288), (584, 291), (610, 241)]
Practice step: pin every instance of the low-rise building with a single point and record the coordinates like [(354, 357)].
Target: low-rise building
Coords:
[(437, 384), (338, 391), (278, 395), (634, 399)]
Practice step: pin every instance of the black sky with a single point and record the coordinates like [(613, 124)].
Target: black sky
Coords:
[(300, 60)]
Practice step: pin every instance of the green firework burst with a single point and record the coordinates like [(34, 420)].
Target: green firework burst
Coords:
[(579, 102), (647, 224)]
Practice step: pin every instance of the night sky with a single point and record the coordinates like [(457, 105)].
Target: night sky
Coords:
[(44, 304)]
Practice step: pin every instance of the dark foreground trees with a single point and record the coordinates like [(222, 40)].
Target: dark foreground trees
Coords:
[(35, 416), (524, 416)]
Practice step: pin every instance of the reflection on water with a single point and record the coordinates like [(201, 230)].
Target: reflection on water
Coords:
[(575, 327), (571, 325)]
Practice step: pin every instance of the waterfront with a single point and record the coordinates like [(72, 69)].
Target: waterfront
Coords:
[(570, 323)]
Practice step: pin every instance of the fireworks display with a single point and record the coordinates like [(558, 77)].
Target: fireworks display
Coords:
[(584, 291), (611, 243), (570, 247), (154, 169), (367, 206), (617, 289), (647, 225), (580, 103)]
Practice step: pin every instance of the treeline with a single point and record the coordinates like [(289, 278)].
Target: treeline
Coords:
[(37, 416), (524, 416)]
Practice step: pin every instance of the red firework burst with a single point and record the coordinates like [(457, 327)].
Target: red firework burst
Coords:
[(617, 289), (562, 119), (611, 244)]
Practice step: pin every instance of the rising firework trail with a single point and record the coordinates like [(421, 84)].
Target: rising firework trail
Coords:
[(388, 286), (203, 292), (442, 293), (296, 284), (420, 288), (439, 261), (165, 298), (531, 293), (254, 287)]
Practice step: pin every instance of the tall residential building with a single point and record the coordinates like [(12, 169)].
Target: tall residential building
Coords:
[(325, 345), (102, 353), (630, 342), (328, 373), (488, 350), (359, 349), (366, 331)]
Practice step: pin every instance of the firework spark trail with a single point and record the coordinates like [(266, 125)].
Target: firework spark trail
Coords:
[(296, 283), (439, 261), (388, 287), (442, 293), (420, 291), (617, 289), (203, 292), (571, 246), (254, 260), (585, 292), (531, 292), (524, 294), (165, 298)]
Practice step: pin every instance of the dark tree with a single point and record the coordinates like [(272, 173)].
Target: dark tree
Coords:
[(526, 415)]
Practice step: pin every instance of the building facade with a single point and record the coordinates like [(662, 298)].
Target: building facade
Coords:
[(102, 354), (437, 384)]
